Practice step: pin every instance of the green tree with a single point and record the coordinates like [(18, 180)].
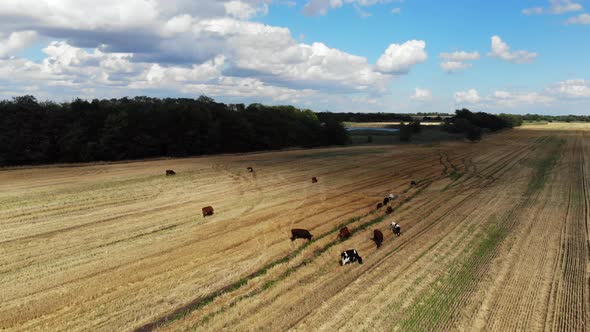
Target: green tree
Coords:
[(416, 126), (473, 133), (405, 132)]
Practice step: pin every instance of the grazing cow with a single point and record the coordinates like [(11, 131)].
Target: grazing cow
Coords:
[(350, 256), (344, 233), (250, 169), (377, 237), (207, 211), (395, 228), (391, 197), (314, 180), (170, 172), (413, 183), (298, 233), (379, 205), (385, 200), (389, 210)]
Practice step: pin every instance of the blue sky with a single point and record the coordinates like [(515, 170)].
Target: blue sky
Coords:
[(337, 55)]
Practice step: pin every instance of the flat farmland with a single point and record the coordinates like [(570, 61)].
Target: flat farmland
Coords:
[(494, 237)]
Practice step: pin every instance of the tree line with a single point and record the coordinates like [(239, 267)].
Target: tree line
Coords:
[(556, 118), (473, 124), (33, 132), (363, 117)]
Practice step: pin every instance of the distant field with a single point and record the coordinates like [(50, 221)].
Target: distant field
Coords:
[(428, 135), (384, 124), (558, 125), (495, 238)]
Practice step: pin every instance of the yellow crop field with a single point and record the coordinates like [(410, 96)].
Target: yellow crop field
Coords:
[(495, 237)]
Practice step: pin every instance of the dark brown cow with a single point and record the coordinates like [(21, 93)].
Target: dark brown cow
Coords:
[(250, 169), (385, 200), (389, 210), (298, 233), (207, 211), (377, 237), (413, 183), (170, 172), (379, 205), (344, 233), (314, 180)]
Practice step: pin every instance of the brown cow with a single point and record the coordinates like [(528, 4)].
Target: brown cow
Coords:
[(298, 233), (377, 237), (413, 183), (314, 180), (207, 211), (379, 205), (344, 233), (170, 172), (389, 210)]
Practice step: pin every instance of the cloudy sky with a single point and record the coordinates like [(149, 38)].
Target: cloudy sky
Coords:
[(336, 55)]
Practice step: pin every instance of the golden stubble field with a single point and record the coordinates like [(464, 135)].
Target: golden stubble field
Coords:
[(495, 238)]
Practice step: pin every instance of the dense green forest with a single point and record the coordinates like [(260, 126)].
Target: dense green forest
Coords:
[(34, 132), (472, 124), (556, 118)]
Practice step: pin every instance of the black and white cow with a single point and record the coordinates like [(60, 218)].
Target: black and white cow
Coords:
[(350, 256), (395, 228)]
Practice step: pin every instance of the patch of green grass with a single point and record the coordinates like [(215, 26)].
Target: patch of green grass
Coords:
[(544, 165), (436, 304), (455, 175)]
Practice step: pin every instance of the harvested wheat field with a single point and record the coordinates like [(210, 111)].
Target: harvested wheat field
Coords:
[(494, 238)]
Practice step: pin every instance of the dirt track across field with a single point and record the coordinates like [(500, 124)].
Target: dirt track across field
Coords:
[(494, 238)]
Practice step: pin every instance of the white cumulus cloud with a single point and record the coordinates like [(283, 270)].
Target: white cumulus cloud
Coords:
[(400, 58), (15, 42), (556, 7), (459, 56), (321, 7), (455, 61), (158, 44), (564, 6), (576, 88), (580, 19), (454, 66), (244, 10), (421, 95), (468, 97), (501, 50), (514, 99), (533, 11)]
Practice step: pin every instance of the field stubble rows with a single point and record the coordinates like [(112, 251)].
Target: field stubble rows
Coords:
[(495, 238)]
